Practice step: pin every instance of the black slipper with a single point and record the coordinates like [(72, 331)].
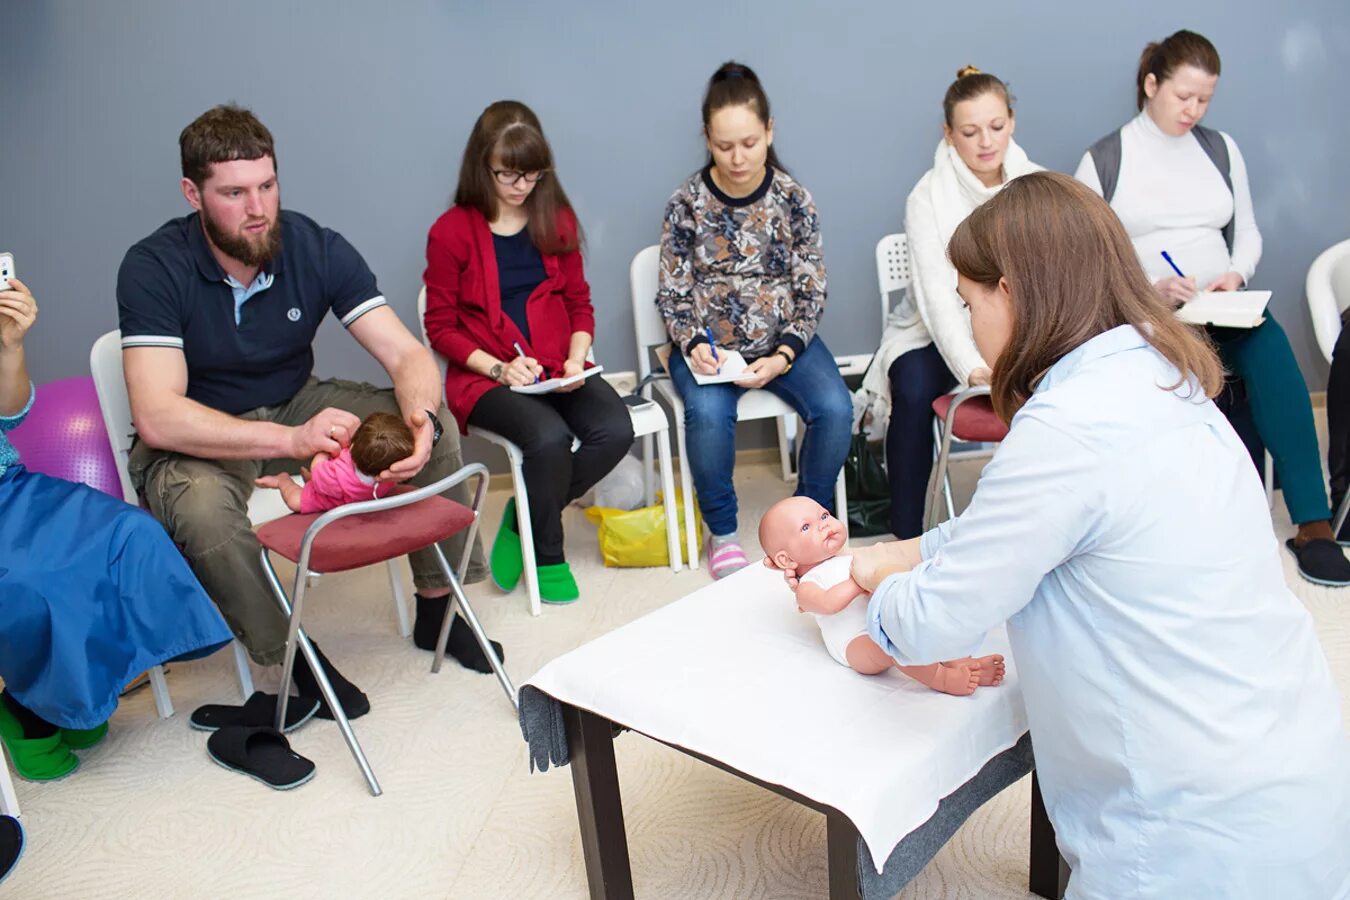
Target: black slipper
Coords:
[(258, 710), (11, 845), (262, 754), (1321, 561)]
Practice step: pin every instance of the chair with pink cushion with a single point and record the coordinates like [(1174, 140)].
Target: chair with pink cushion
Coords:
[(362, 534), (968, 417)]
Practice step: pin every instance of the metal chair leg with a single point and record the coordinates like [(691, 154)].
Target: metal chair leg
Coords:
[(298, 638), (1340, 516), (469, 616), (526, 530)]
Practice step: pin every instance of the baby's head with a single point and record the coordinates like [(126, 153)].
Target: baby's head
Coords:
[(799, 532), (382, 440)]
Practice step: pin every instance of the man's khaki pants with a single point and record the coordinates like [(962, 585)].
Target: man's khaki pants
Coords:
[(204, 505)]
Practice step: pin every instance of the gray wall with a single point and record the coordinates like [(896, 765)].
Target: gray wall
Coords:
[(371, 104)]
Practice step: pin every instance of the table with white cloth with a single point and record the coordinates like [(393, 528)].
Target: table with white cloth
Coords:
[(733, 675)]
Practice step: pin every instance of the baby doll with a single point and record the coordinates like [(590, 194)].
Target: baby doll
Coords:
[(382, 440), (798, 533)]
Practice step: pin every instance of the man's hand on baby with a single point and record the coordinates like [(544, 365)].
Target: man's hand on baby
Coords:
[(872, 565)]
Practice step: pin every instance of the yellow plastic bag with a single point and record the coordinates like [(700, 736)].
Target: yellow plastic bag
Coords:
[(637, 537)]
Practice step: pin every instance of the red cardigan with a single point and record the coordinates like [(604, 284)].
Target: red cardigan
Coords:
[(464, 308)]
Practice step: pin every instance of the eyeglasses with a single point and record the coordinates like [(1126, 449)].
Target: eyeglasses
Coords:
[(511, 178)]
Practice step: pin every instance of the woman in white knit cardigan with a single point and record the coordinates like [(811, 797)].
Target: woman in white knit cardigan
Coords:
[(927, 348)]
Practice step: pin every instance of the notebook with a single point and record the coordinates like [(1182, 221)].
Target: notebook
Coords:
[(548, 387), (1226, 309)]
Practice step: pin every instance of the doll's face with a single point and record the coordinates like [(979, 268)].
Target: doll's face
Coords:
[(799, 532)]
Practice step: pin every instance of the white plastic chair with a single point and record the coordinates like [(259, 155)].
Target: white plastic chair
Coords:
[(651, 333), (648, 423), (1328, 288), (892, 258), (9, 801), (105, 364)]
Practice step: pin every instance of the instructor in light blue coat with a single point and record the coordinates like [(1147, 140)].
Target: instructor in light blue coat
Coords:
[(1187, 730)]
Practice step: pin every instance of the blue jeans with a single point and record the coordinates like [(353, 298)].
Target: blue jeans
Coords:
[(813, 388)]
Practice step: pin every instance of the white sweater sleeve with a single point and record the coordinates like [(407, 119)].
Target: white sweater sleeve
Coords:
[(935, 295), (1246, 251), (1087, 174)]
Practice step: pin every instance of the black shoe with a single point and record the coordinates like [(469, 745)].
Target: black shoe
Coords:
[(1321, 561), (354, 703), (462, 645)]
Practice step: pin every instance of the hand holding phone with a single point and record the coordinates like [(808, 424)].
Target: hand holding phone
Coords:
[(6, 270)]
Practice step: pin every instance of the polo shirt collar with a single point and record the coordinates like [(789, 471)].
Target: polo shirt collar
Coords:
[(206, 260)]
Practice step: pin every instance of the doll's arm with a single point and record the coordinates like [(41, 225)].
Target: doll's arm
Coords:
[(827, 601)]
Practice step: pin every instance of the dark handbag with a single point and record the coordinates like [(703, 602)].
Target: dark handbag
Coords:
[(869, 490)]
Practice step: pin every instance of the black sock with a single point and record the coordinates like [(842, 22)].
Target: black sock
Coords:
[(354, 703), (463, 646), (34, 726)]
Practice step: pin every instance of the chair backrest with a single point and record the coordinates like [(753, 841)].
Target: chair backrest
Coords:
[(441, 361), (892, 269), (648, 325), (1328, 286), (105, 364)]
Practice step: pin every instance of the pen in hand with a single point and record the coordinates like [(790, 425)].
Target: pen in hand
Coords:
[(1167, 256), (712, 345), (522, 353)]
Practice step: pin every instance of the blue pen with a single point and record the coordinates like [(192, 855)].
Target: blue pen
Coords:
[(1167, 256), (712, 345), (521, 352)]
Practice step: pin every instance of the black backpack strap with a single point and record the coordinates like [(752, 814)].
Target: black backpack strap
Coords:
[(1216, 148), (1106, 160)]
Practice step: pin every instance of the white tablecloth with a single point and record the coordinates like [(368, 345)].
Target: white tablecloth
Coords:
[(735, 673)]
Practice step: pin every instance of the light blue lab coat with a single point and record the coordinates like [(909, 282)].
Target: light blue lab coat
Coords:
[(1187, 730)]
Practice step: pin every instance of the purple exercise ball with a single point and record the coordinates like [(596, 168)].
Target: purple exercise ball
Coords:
[(64, 436)]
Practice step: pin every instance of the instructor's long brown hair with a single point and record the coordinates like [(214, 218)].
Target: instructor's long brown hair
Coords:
[(1072, 274)]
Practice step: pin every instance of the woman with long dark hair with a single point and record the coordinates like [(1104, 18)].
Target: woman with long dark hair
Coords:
[(508, 305), (742, 269)]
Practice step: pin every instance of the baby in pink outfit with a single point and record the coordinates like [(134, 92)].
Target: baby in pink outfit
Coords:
[(382, 440)]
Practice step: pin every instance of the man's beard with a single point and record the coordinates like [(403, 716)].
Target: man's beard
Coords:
[(257, 251)]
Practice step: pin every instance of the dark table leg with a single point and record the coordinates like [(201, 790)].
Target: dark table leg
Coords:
[(1049, 872), (841, 839), (590, 741)]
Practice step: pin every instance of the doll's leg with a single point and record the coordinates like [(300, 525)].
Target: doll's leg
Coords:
[(865, 657), (990, 668)]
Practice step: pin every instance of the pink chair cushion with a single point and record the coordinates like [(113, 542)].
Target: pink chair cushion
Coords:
[(975, 419), (369, 538)]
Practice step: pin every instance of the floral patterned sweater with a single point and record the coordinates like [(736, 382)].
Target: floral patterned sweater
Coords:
[(749, 269)]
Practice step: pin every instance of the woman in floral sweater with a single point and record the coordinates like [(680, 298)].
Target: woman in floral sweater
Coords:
[(741, 269)]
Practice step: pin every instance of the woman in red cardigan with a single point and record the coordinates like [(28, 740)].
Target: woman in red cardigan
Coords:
[(508, 304)]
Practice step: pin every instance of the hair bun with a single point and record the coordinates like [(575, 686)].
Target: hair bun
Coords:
[(968, 70)]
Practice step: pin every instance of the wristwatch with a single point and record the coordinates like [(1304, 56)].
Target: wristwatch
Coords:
[(495, 373), (437, 430), (787, 357)]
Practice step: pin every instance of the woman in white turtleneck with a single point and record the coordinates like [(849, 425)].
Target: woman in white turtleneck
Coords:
[(927, 348), (1182, 188)]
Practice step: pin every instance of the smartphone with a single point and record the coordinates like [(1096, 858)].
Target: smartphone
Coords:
[(6, 270), (637, 401)]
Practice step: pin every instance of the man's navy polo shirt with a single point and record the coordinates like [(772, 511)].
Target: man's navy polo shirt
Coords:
[(171, 292)]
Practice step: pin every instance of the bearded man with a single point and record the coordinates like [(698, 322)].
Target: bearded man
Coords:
[(218, 312)]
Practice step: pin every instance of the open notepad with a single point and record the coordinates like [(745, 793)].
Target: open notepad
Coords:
[(1226, 309), (548, 387), (730, 363)]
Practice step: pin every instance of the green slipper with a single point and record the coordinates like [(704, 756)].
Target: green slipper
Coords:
[(556, 584), (84, 738), (35, 759), (506, 561)]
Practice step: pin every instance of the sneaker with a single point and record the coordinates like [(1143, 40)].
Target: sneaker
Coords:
[(725, 558), (1321, 561), (506, 561)]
